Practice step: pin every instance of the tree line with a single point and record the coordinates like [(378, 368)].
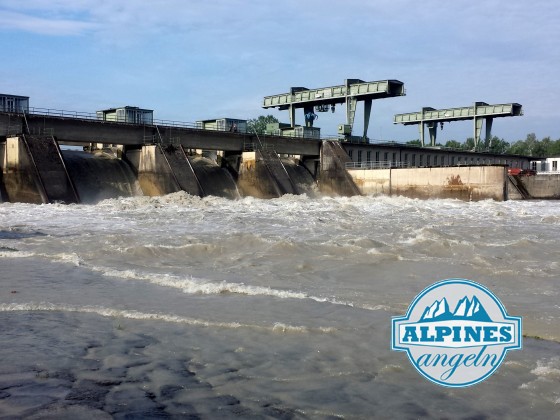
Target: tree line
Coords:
[(531, 146)]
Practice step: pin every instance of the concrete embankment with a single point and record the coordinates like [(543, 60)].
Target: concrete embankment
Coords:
[(534, 187), (461, 182)]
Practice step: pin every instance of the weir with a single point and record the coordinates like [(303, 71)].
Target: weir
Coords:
[(278, 172), (99, 176), (213, 179), (264, 174), (34, 171), (300, 177), (221, 157), (182, 170)]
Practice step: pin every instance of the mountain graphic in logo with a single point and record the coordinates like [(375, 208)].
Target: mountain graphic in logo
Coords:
[(466, 309)]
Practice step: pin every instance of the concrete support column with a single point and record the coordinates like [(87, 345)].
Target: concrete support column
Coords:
[(154, 174), (477, 130), (432, 128), (351, 104), (367, 115), (489, 121), (292, 116)]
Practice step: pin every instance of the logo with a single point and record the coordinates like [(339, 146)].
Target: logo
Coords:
[(456, 333)]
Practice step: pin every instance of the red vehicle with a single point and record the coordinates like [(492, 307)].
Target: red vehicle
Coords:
[(519, 171)]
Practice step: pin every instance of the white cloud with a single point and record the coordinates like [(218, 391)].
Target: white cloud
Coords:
[(182, 51), (44, 26)]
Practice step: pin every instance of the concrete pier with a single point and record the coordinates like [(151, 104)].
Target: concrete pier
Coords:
[(34, 171), (154, 173), (255, 178), (333, 178)]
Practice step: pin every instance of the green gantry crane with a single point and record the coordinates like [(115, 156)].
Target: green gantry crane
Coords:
[(479, 112), (323, 99)]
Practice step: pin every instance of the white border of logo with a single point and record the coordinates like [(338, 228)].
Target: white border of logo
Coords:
[(448, 336)]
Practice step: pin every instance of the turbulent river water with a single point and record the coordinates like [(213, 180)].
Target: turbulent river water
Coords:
[(178, 306)]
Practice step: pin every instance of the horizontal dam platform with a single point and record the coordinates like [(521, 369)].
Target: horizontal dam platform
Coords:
[(71, 130)]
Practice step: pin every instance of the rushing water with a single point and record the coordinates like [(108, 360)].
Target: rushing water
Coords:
[(178, 306)]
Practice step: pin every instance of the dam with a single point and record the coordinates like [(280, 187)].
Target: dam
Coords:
[(137, 155), (36, 170)]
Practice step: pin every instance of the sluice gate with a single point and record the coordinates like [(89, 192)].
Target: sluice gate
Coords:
[(182, 170), (278, 172)]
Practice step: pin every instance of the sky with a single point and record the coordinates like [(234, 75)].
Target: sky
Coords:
[(190, 60)]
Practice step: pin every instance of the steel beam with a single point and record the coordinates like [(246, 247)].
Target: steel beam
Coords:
[(350, 93), (480, 112)]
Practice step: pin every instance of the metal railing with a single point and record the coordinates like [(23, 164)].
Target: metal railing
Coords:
[(50, 112), (377, 165), (253, 147)]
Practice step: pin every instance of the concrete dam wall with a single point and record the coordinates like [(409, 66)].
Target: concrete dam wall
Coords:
[(470, 183), (542, 186), (35, 170)]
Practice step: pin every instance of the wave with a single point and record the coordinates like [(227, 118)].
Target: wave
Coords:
[(14, 253), (146, 316), (199, 286), (190, 285)]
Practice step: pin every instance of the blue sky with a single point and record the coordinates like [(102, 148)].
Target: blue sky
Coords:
[(191, 60)]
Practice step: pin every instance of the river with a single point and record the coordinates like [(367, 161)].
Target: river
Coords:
[(176, 306)]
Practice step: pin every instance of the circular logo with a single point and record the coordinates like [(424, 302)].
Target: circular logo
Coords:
[(456, 333)]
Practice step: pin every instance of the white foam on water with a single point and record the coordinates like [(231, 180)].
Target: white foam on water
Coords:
[(189, 285), (549, 369), (131, 314), (198, 286), (16, 254)]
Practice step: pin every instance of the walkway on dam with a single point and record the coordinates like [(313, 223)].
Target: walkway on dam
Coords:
[(81, 128)]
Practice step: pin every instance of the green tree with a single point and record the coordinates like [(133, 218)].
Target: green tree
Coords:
[(531, 142), (258, 125), (519, 148), (468, 144), (496, 145), (414, 142), (540, 148), (554, 149), (454, 144)]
